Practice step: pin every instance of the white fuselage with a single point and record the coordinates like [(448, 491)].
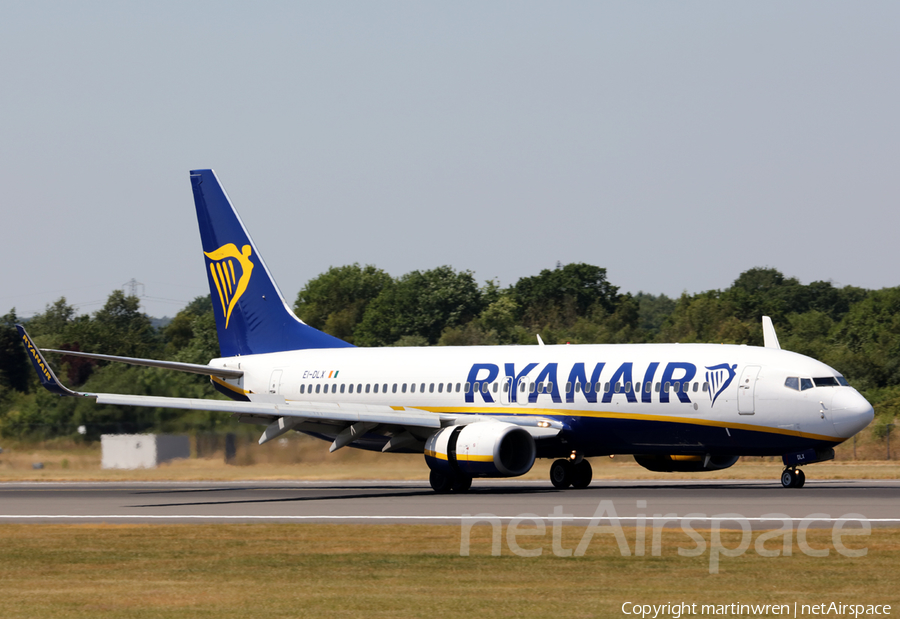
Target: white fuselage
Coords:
[(619, 398)]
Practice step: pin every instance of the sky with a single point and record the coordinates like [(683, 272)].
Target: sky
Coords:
[(675, 144)]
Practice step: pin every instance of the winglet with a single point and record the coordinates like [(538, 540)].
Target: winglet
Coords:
[(770, 339), (45, 373)]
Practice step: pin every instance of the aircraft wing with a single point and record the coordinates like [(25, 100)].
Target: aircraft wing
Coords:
[(274, 410)]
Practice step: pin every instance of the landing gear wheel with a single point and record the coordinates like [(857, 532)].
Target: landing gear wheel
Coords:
[(788, 478), (462, 483), (442, 483), (793, 478), (582, 473), (561, 474)]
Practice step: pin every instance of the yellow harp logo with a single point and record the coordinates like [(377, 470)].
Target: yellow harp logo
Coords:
[(222, 269)]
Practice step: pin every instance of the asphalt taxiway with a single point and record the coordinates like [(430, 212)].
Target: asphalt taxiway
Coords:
[(384, 502)]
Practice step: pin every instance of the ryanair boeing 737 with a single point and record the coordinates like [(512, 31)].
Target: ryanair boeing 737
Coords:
[(490, 411)]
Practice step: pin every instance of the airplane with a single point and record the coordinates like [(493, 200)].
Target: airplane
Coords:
[(491, 411)]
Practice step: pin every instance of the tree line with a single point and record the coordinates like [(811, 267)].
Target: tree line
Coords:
[(854, 330)]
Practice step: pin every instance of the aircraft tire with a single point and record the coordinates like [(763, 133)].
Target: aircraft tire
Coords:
[(462, 483), (561, 474), (801, 479), (789, 478), (442, 483), (582, 473)]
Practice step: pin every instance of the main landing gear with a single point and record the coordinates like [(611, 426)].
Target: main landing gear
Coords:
[(565, 473), (793, 478), (442, 482)]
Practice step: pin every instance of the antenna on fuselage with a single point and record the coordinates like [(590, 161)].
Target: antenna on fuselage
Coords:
[(770, 338)]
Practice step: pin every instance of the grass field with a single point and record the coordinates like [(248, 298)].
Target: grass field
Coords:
[(226, 571)]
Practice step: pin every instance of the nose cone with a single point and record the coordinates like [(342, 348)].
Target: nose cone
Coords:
[(850, 412)]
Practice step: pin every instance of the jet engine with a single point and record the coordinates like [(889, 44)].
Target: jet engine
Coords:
[(481, 449), (685, 464)]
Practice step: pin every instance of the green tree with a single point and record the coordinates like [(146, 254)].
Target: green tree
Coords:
[(14, 370), (562, 295), (422, 303), (336, 300)]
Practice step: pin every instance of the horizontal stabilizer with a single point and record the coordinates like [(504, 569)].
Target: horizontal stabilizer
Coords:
[(193, 368)]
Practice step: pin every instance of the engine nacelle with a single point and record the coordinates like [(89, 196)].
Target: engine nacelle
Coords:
[(482, 449), (685, 464)]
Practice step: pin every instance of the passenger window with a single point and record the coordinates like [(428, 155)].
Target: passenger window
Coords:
[(431, 388), (334, 388), (496, 385), (696, 386), (657, 387), (522, 387), (637, 387), (792, 382), (705, 387), (549, 387), (384, 388), (440, 387), (628, 387), (368, 385), (616, 387), (569, 387), (457, 388), (342, 387), (676, 387), (484, 387), (302, 387), (606, 388), (647, 386), (806, 383), (530, 387), (394, 388), (412, 388), (466, 388), (666, 388), (359, 388), (577, 388), (422, 388), (403, 388)]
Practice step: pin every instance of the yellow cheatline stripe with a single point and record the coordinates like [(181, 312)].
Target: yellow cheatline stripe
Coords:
[(212, 271), (459, 457), (219, 381), (466, 458), (629, 416)]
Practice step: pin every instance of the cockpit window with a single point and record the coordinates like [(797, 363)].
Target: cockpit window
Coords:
[(792, 382), (842, 381), (806, 383), (826, 381)]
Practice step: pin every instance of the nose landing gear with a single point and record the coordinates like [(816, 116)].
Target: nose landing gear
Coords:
[(793, 478)]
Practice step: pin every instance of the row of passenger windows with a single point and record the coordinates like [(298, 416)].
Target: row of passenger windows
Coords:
[(485, 387), (802, 384)]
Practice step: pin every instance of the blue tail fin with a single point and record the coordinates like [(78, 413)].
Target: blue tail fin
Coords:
[(251, 315)]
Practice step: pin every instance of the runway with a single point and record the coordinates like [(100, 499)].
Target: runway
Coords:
[(393, 502)]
